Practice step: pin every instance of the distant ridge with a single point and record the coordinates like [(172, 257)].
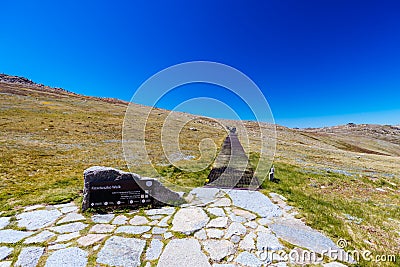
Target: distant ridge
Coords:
[(22, 81)]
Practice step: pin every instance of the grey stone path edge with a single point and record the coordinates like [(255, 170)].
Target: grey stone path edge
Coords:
[(218, 228)]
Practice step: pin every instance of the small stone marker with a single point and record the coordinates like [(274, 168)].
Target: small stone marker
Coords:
[(108, 187)]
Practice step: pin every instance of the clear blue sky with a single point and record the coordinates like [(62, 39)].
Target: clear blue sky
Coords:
[(317, 62)]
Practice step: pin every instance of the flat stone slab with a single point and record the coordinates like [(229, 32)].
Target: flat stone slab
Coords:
[(164, 221), (219, 249), (71, 217), (29, 257), (268, 241), (154, 251), (13, 236), (39, 238), (37, 219), (69, 228), (102, 218), (102, 228), (135, 230), (247, 242), (5, 264), (248, 259), (162, 211), (68, 257), (221, 202), (90, 239), (5, 252), (120, 219), (4, 221), (158, 230), (235, 229), (120, 251), (67, 237), (69, 209), (205, 195), (216, 211), (254, 201), (189, 220), (58, 246), (304, 236), (138, 220), (191, 255), (220, 222), (215, 233)]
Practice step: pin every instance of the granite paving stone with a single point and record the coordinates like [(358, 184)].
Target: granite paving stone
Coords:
[(267, 241), (34, 220), (139, 220), (158, 230), (247, 243), (215, 233), (58, 246), (216, 211), (154, 251), (235, 229), (39, 238), (254, 201), (221, 202), (295, 232), (90, 239), (164, 222), (69, 228), (102, 228), (121, 251), (218, 249), (120, 219), (5, 263), (168, 235), (4, 221), (29, 256), (189, 220), (13, 236), (67, 237), (244, 213), (102, 218), (68, 257), (133, 229), (162, 211), (251, 224), (236, 218), (220, 222), (249, 260), (34, 207), (71, 217), (235, 239), (201, 234), (69, 209), (5, 252), (191, 255)]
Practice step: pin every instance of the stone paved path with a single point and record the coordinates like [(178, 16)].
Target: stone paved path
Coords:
[(237, 228)]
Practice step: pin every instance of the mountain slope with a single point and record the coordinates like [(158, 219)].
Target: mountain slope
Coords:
[(49, 136)]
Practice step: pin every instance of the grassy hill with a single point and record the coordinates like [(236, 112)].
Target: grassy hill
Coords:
[(343, 180)]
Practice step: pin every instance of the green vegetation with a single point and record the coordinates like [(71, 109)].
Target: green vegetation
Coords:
[(326, 202)]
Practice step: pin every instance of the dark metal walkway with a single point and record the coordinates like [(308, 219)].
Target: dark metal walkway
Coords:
[(231, 167)]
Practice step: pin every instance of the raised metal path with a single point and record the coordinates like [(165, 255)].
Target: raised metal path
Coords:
[(231, 167)]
